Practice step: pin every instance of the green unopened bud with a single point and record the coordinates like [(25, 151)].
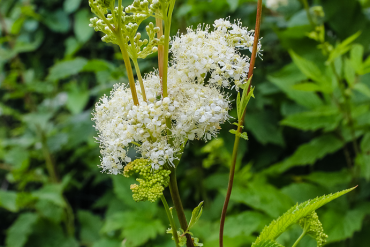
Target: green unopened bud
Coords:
[(313, 227), (106, 3), (152, 183)]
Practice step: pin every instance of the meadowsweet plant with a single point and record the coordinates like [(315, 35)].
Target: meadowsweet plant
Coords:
[(185, 99)]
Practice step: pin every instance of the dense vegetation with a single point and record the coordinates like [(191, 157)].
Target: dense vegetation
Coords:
[(308, 128)]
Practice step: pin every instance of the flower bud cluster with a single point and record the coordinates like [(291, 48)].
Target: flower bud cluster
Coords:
[(202, 53), (152, 182), (128, 25), (314, 228)]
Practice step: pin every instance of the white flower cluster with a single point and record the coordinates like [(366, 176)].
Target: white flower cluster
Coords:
[(200, 53), (196, 106), (275, 4)]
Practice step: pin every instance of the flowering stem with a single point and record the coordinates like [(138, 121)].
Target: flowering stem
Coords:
[(172, 222), (178, 206), (160, 50), (300, 237), (307, 9), (125, 56), (167, 30), (240, 124), (140, 78)]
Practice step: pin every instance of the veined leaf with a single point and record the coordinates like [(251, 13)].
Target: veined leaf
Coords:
[(306, 67), (308, 153), (195, 215), (327, 118), (241, 103), (66, 68), (267, 243), (343, 47), (293, 215), (20, 230), (356, 54)]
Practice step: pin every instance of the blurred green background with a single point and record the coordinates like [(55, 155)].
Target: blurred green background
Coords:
[(308, 129)]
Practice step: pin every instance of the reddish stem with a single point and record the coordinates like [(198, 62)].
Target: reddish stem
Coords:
[(241, 123)]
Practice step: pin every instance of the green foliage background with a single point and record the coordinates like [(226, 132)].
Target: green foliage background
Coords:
[(308, 134)]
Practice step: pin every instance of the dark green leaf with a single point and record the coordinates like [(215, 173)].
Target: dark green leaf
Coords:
[(18, 233), (65, 69)]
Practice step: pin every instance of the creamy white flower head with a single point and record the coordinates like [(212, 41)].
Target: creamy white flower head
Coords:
[(195, 110), (275, 4), (203, 63), (200, 53)]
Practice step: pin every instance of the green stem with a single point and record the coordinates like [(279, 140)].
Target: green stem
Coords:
[(172, 222), (300, 237), (240, 124), (347, 109), (229, 187), (167, 29), (130, 75), (140, 78), (307, 9), (125, 56), (175, 195)]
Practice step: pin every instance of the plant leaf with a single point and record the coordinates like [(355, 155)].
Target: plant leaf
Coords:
[(195, 215), (18, 233), (267, 243), (293, 215)]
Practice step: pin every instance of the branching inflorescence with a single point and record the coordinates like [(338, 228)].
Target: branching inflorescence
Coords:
[(186, 100)]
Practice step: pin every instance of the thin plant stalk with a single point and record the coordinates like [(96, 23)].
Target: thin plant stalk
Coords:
[(125, 55), (241, 123), (307, 9), (300, 237), (137, 68), (159, 23), (167, 30), (175, 195), (172, 222)]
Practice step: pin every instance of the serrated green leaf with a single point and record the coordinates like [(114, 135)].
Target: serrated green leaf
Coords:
[(308, 153), (90, 227), (195, 215), (343, 47), (326, 118), (18, 233), (105, 242), (82, 20), (362, 88), (365, 143), (349, 72), (49, 210), (51, 193), (293, 215), (244, 135), (8, 200), (70, 6), (340, 225), (308, 87), (57, 21), (286, 78), (64, 69), (363, 162), (356, 55), (233, 4), (267, 243), (234, 132), (307, 67)]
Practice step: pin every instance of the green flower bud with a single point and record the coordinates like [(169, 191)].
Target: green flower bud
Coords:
[(313, 227), (152, 182)]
